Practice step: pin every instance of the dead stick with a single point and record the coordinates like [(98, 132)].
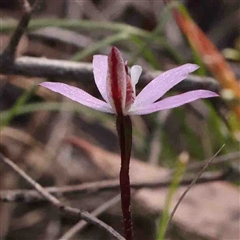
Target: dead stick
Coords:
[(73, 212)]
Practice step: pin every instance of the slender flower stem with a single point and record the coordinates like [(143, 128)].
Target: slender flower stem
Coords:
[(124, 128)]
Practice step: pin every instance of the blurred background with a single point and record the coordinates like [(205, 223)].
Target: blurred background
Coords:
[(61, 143)]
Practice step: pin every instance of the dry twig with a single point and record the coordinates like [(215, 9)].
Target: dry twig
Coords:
[(69, 211), (218, 160), (81, 224), (68, 70), (9, 52), (93, 187)]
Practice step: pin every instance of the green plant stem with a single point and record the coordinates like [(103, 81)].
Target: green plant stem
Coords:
[(90, 50), (144, 46), (9, 25), (177, 177), (17, 106), (124, 129), (118, 28), (196, 56)]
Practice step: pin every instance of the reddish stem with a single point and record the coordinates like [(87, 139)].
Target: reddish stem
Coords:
[(124, 128)]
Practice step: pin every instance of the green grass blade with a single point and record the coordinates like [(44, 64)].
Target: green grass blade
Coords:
[(18, 105), (177, 177)]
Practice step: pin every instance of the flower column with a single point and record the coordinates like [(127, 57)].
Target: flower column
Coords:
[(120, 95)]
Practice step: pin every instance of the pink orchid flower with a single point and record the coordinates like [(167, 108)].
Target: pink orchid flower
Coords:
[(118, 88)]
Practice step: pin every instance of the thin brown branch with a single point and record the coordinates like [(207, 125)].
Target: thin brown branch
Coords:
[(98, 211), (218, 160), (68, 70), (69, 211), (48, 68), (94, 187), (10, 50)]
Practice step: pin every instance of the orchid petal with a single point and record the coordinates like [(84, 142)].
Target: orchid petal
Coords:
[(172, 102), (136, 71), (100, 66), (161, 84), (116, 81), (78, 95)]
